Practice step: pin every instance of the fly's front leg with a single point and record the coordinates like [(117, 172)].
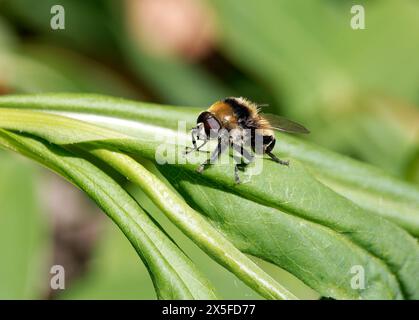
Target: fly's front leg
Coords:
[(195, 137), (194, 134), (195, 148)]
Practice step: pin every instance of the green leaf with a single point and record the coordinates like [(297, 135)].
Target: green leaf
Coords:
[(174, 275), (194, 226), (76, 132), (369, 187), (295, 222), (319, 256), (316, 194)]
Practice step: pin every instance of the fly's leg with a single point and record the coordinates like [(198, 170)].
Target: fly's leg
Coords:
[(195, 148), (194, 136), (237, 162), (243, 152), (239, 149), (276, 159), (221, 147), (268, 150)]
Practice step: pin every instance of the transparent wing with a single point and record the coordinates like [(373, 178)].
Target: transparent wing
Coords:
[(283, 124)]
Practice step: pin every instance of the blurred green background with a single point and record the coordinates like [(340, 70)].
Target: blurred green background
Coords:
[(357, 90)]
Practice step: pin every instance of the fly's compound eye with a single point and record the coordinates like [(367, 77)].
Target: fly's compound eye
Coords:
[(210, 123)]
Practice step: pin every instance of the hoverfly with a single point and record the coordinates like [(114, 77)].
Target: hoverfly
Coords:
[(237, 123)]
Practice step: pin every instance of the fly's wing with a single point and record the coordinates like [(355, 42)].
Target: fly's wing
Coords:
[(283, 124)]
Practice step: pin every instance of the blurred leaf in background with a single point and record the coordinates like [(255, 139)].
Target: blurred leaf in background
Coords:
[(348, 85), (86, 26), (103, 30), (24, 236), (114, 271), (353, 88), (39, 64), (171, 71)]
